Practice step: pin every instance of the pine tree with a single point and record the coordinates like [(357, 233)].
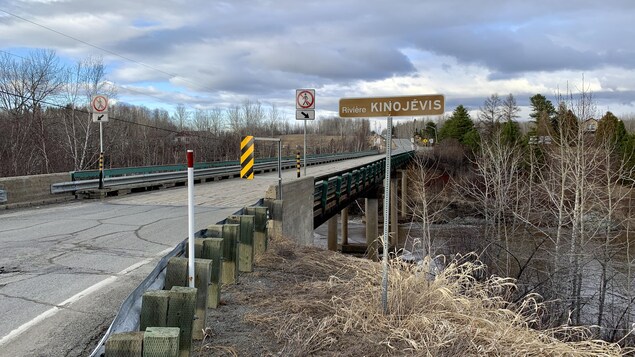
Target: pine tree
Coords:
[(457, 125)]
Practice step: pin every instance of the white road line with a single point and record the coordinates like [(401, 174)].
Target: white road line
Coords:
[(91, 289)]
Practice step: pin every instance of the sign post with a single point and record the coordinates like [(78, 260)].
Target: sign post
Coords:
[(305, 110), (416, 105), (99, 108)]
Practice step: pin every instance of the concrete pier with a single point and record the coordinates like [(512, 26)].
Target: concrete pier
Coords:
[(372, 227)]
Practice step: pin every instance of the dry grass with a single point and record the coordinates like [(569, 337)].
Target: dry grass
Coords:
[(331, 305)]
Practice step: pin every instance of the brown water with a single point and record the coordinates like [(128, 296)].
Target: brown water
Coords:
[(530, 261)]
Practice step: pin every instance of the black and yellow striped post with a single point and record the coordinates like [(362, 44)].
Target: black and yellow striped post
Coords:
[(101, 170), (297, 162), (247, 158)]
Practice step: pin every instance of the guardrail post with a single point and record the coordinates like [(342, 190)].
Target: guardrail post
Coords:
[(213, 249), (260, 228), (177, 275), (338, 189), (173, 308), (245, 241), (126, 344), (161, 342), (230, 235)]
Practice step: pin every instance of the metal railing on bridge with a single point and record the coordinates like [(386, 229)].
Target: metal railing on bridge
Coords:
[(177, 174), (335, 191)]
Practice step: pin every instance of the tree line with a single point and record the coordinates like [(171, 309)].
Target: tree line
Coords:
[(45, 125), (555, 199)]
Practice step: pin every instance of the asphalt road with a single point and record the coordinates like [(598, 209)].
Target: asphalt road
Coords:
[(65, 269)]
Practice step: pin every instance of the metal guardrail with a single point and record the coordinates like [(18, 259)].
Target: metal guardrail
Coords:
[(337, 190), (145, 170), (155, 179)]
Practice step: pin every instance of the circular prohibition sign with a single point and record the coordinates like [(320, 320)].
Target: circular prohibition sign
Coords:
[(100, 103), (305, 99)]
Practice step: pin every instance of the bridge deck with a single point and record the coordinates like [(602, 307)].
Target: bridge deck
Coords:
[(65, 269)]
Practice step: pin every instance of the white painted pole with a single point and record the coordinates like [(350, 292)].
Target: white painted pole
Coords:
[(305, 148), (190, 215), (384, 291)]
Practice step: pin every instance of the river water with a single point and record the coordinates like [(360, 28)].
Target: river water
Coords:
[(530, 261)]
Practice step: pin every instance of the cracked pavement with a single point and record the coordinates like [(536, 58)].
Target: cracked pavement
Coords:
[(50, 254)]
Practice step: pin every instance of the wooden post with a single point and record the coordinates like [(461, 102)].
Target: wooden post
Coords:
[(126, 344), (213, 249), (176, 275), (160, 342), (229, 233), (245, 241), (173, 308), (154, 309), (181, 310), (332, 233), (260, 228), (276, 212)]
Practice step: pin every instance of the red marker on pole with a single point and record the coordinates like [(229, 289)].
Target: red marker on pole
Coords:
[(190, 214)]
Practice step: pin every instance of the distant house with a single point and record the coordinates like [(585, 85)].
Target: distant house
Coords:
[(590, 125), (377, 141), (185, 137)]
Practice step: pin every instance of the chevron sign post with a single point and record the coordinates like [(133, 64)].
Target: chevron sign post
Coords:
[(247, 158)]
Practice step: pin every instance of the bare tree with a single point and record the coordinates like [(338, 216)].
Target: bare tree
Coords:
[(496, 190), (181, 116), (509, 109), (82, 81), (490, 115)]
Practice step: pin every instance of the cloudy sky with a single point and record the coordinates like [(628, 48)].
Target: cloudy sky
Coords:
[(208, 53)]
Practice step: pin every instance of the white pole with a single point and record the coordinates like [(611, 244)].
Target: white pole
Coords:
[(305, 148), (190, 214), (384, 291)]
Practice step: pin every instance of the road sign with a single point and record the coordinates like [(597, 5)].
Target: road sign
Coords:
[(99, 104), (247, 157), (306, 114), (414, 105), (100, 117), (305, 99)]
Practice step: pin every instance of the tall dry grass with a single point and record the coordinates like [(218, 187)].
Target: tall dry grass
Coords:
[(332, 306)]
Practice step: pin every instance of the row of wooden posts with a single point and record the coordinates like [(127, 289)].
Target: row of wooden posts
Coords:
[(175, 316)]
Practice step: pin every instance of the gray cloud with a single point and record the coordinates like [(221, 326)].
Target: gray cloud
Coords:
[(264, 49)]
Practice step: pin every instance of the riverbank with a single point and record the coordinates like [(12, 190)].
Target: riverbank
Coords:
[(303, 301)]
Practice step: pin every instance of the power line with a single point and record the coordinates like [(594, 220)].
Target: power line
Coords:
[(13, 54), (110, 117), (105, 50), (126, 88)]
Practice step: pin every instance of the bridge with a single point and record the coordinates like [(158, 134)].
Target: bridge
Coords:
[(66, 268)]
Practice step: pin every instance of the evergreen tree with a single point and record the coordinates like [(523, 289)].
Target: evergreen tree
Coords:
[(543, 115), (510, 133), (430, 131), (457, 125), (611, 128)]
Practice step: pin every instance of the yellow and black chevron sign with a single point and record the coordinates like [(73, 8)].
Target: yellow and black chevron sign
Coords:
[(247, 158)]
